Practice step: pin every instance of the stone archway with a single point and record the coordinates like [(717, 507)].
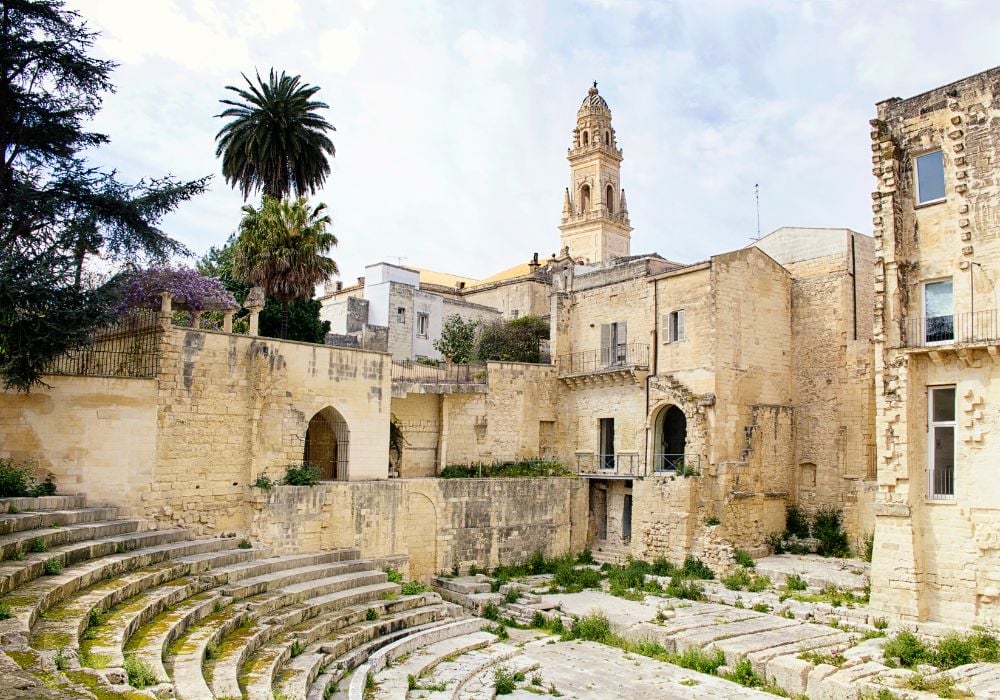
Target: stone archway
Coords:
[(421, 536), (670, 438), (327, 444)]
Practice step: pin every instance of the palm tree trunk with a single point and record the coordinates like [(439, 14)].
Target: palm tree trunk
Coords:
[(284, 319)]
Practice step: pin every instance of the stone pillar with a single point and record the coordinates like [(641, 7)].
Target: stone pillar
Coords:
[(196, 319), (254, 314), (227, 321), (166, 310)]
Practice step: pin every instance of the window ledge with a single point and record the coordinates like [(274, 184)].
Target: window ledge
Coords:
[(931, 203), (943, 501)]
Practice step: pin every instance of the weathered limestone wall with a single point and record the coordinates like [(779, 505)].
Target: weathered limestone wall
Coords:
[(528, 296), (419, 418), (665, 515), (438, 523), (96, 435), (936, 558)]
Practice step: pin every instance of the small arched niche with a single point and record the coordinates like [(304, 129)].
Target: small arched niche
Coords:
[(609, 198), (607, 138), (670, 441), (585, 197), (327, 444)]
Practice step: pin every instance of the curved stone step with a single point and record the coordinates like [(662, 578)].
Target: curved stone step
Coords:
[(186, 654), (482, 685), (457, 674), (23, 542), (155, 590), (33, 520), (287, 578), (60, 502), (300, 672), (238, 572), (451, 639), (353, 588), (146, 548), (150, 642)]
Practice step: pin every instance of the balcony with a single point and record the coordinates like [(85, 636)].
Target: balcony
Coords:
[(416, 378), (961, 331), (618, 364), (679, 464), (620, 466)]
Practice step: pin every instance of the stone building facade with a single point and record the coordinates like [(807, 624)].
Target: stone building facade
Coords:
[(936, 210)]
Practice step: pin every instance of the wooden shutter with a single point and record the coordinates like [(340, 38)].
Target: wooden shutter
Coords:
[(681, 330), (665, 328), (606, 341)]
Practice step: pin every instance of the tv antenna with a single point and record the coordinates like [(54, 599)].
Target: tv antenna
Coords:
[(756, 196), (401, 258)]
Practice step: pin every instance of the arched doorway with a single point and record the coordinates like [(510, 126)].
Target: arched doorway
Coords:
[(671, 439), (327, 444)]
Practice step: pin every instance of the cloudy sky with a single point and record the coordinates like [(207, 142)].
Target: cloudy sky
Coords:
[(453, 118)]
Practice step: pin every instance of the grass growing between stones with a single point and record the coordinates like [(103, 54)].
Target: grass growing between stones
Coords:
[(140, 674), (907, 650), (942, 686)]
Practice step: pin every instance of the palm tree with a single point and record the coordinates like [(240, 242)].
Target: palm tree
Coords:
[(275, 142), (281, 247)]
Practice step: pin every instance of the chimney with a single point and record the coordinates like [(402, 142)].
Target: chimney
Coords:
[(338, 286), (361, 281), (534, 264), (460, 285)]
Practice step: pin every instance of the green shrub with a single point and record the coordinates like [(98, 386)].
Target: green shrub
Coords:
[(13, 510), (393, 575), (511, 596), (682, 588), (245, 544), (744, 674), (505, 681), (211, 650), (413, 588), (371, 614), (797, 522), (761, 607), (593, 628), (868, 546), (491, 611), (743, 558), (140, 674), (585, 557), (264, 482), (701, 661), (498, 629), (529, 468), (828, 529), (663, 567), (5, 613), (53, 567), (46, 487), (304, 474), (739, 580), (758, 584), (776, 541), (794, 582), (880, 623), (712, 521), (555, 625), (906, 649), (696, 568), (37, 545), (538, 620)]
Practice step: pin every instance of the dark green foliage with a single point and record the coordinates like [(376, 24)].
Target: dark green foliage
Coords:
[(56, 210), (776, 541), (538, 620), (593, 628), (371, 614), (680, 587), (744, 674), (263, 482), (906, 649), (458, 339), (53, 567), (512, 596), (505, 681), (701, 661), (794, 582), (491, 611), (712, 521), (17, 479), (37, 545), (498, 629), (244, 543), (585, 557), (511, 341), (140, 674), (393, 575), (695, 568), (662, 567), (413, 588), (275, 141), (5, 613), (868, 546), (304, 474), (743, 558), (737, 581), (949, 652), (828, 529), (574, 580), (496, 470), (797, 522)]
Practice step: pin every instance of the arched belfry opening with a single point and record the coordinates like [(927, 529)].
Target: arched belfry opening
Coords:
[(609, 199), (327, 444), (671, 439), (586, 138), (585, 198), (607, 138)]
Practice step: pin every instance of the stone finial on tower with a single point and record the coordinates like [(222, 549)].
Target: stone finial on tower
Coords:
[(567, 205)]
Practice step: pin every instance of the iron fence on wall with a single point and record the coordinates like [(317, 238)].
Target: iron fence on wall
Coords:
[(129, 347), (416, 372), (612, 357), (974, 327)]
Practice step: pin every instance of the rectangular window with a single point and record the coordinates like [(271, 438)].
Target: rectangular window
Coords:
[(930, 177), (939, 314), (941, 442), (422, 321), (606, 459), (401, 314), (674, 326)]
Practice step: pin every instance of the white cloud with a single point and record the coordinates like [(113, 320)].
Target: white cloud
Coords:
[(340, 47), (487, 51)]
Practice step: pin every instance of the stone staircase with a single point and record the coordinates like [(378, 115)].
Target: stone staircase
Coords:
[(90, 602), (605, 552)]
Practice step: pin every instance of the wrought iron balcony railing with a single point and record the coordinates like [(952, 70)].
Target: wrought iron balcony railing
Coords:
[(623, 356), (625, 465), (682, 464), (974, 327)]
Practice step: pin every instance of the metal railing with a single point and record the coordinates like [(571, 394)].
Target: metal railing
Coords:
[(941, 483), (683, 464), (626, 355), (407, 371), (609, 464), (129, 347), (974, 327)]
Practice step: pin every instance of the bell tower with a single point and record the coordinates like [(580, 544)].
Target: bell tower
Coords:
[(595, 223)]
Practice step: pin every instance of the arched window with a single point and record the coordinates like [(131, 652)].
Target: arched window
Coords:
[(671, 439), (607, 138), (586, 138), (609, 199), (585, 198), (327, 443)]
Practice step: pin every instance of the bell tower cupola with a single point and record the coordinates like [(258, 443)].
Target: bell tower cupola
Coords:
[(595, 223)]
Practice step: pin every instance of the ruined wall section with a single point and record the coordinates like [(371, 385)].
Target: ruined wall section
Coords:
[(419, 418)]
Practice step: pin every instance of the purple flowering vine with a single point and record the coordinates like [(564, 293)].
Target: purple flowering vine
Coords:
[(191, 290)]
